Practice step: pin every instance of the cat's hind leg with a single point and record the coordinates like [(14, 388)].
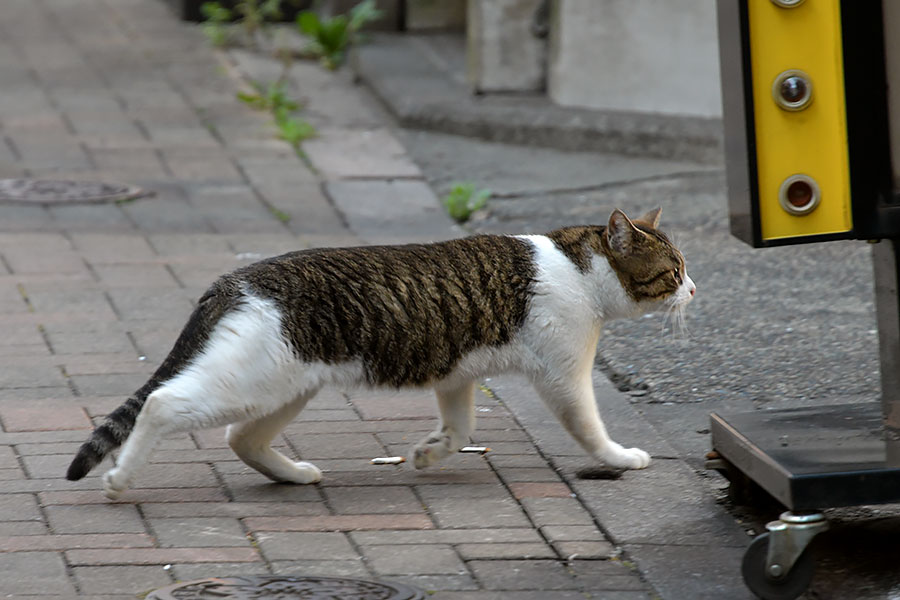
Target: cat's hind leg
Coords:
[(457, 407), (572, 401), (165, 412), (251, 441)]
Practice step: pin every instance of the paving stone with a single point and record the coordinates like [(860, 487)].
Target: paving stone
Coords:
[(339, 522), (257, 488), (101, 248), (110, 384), (556, 511), (399, 404), (337, 445), (95, 518), (432, 583), (523, 575), (38, 542), (387, 211), (570, 533), (504, 551), (583, 550), (606, 575), (44, 415), (199, 532), (17, 574), (478, 513), (448, 536), (540, 490), (80, 302), (523, 595), (22, 528), (240, 510), (160, 556), (192, 572), (90, 217), (48, 466), (383, 499), (124, 580), (343, 153), (426, 559), (175, 476), (19, 507), (322, 568), (529, 475), (158, 304), (278, 545), (152, 276)]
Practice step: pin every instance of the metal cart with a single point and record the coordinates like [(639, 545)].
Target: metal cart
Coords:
[(810, 124)]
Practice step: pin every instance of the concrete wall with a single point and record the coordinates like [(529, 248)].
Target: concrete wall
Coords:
[(657, 56), (422, 15), (502, 53)]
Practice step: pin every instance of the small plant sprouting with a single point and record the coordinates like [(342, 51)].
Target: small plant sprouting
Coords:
[(464, 199), (331, 37), (251, 16), (293, 130), (215, 27), (272, 97)]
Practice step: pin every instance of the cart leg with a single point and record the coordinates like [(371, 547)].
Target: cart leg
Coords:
[(788, 538), (777, 565)]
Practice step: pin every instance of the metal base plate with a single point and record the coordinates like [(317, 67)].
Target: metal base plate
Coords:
[(813, 458)]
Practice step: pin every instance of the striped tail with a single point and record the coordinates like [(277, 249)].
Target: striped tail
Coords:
[(108, 436), (113, 432)]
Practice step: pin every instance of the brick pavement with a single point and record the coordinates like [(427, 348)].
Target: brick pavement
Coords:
[(92, 296)]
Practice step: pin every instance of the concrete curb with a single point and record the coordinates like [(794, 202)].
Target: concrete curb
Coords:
[(423, 89)]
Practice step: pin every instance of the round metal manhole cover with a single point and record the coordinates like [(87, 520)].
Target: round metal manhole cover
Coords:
[(60, 191), (286, 588)]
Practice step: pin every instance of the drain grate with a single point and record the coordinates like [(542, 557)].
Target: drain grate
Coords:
[(60, 191), (286, 588)]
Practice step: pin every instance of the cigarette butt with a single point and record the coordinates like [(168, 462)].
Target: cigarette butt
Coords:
[(388, 460), (475, 449)]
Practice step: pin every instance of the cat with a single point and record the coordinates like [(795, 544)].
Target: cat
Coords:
[(266, 337)]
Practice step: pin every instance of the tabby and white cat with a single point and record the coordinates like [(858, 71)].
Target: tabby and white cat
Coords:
[(266, 337)]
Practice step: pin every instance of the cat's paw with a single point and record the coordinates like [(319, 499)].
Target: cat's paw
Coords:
[(628, 458), (430, 450), (114, 483), (305, 473)]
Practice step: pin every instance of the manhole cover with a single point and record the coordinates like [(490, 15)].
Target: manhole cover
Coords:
[(59, 191), (286, 588)]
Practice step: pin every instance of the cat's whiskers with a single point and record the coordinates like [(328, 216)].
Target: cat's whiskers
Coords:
[(676, 316)]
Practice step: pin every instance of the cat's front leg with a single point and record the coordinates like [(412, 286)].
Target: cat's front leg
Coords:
[(572, 401), (457, 408)]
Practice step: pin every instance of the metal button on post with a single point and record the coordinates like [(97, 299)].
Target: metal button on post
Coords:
[(799, 194), (792, 90), (787, 3)]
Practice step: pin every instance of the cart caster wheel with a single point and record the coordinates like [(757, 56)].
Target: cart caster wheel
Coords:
[(768, 586)]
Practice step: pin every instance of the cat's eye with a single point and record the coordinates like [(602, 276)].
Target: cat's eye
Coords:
[(677, 274)]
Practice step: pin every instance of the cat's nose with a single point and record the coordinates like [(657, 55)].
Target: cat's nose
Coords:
[(693, 291)]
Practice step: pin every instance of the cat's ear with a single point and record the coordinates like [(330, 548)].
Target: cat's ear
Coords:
[(651, 219), (620, 233)]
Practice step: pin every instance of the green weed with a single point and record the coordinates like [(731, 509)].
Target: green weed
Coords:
[(272, 97), (464, 199), (331, 37)]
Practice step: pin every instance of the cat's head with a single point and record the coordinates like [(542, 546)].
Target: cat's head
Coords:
[(649, 266)]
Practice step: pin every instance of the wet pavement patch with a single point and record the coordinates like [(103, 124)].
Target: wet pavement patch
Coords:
[(60, 191), (286, 588)]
